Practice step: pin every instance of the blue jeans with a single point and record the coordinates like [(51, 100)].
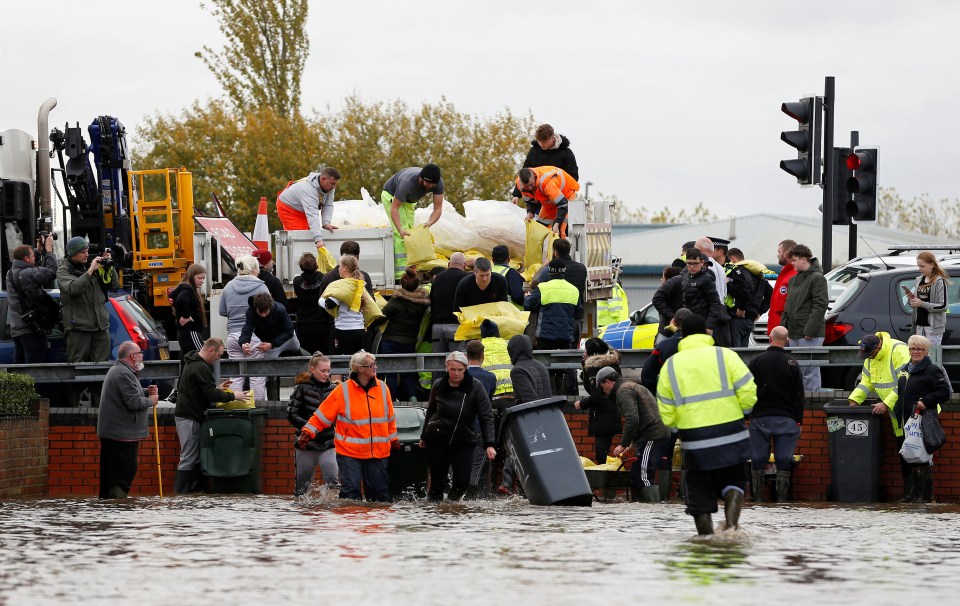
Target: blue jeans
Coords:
[(403, 386), (785, 434), (363, 477)]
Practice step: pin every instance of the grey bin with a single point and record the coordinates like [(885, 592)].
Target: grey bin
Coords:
[(231, 444), (544, 454), (856, 452), (407, 469)]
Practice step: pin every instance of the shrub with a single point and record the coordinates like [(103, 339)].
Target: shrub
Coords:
[(16, 392)]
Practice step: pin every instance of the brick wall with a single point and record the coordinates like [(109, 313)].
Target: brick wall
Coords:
[(23, 453), (74, 455)]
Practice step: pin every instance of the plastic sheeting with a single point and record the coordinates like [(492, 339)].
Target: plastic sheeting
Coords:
[(487, 224), (359, 213)]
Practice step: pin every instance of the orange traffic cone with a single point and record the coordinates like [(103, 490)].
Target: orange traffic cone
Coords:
[(261, 231)]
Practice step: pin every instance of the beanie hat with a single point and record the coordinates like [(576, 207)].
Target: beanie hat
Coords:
[(430, 172), (76, 245), (263, 256), (556, 267), (489, 328), (607, 372)]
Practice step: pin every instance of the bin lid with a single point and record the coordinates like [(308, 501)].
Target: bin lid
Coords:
[(236, 412), (551, 401), (842, 407), (409, 418)]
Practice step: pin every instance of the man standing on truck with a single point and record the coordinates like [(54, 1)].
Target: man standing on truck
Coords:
[(549, 149), (546, 191), (308, 203), (25, 282), (83, 294), (399, 198)]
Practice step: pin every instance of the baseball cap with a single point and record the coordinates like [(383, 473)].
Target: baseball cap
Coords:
[(867, 345)]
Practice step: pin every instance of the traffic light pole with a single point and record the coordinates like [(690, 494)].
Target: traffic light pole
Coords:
[(852, 230), (829, 182)]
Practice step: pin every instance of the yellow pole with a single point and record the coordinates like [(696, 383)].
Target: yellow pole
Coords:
[(156, 437)]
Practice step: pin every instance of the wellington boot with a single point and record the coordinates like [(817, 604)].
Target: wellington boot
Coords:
[(198, 481), (117, 492), (910, 488), (181, 482), (732, 506), (648, 494), (756, 485), (783, 486), (664, 479), (704, 522), (925, 481)]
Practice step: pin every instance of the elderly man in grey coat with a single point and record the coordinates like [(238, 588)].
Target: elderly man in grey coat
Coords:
[(122, 421)]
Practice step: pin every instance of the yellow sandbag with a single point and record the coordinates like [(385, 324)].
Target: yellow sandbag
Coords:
[(533, 248), (238, 404), (429, 265), (381, 302), (498, 308), (442, 252), (419, 245), (586, 462), (325, 260), (509, 326), (530, 271), (546, 252), (371, 310), (345, 290)]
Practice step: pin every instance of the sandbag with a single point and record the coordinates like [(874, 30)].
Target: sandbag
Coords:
[(238, 404), (419, 245), (508, 326), (533, 249), (325, 260), (363, 213)]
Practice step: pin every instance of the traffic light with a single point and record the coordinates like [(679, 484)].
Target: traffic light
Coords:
[(862, 184), (841, 197), (806, 140)]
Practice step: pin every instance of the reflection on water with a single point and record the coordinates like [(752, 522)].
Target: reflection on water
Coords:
[(263, 549)]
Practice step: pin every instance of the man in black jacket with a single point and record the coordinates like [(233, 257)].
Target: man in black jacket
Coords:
[(271, 324), (700, 292), (25, 284), (196, 391), (443, 290), (483, 286), (777, 415), (549, 149)]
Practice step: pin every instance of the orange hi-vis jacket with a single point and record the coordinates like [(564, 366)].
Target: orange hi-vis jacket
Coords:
[(365, 423), (554, 187)]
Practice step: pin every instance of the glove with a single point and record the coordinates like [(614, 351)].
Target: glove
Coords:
[(395, 445), (303, 439), (330, 303)]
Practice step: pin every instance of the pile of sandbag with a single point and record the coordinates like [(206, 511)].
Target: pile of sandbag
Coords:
[(359, 213)]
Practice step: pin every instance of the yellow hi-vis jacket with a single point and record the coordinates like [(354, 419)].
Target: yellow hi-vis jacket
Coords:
[(497, 360), (879, 375), (705, 391), (615, 309)]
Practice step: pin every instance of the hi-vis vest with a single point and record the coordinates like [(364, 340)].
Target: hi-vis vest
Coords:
[(615, 309), (705, 391), (502, 270), (365, 423), (554, 187), (880, 375), (497, 360)]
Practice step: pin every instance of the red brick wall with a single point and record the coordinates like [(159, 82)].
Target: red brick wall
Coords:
[(23, 453), (74, 455)]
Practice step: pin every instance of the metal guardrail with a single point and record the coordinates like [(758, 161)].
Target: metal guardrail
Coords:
[(405, 363)]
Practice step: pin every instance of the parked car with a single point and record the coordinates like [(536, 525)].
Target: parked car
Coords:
[(875, 301), (129, 321), (638, 332)]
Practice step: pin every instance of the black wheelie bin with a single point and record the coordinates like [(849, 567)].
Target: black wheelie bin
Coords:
[(231, 442), (407, 469), (856, 451)]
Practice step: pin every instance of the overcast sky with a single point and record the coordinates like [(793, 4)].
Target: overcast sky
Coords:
[(669, 103)]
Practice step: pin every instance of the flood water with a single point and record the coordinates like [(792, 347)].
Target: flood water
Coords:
[(270, 550)]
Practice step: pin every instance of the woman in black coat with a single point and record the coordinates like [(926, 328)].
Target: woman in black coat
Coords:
[(457, 401), (604, 414), (922, 386), (313, 323), (189, 311), (311, 389)]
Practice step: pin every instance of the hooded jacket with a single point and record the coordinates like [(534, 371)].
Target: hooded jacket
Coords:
[(27, 282), (604, 415), (530, 378), (640, 414), (405, 312), (308, 394), (84, 296), (196, 390), (307, 288), (806, 303), (187, 305), (235, 300), (561, 157), (700, 296), (275, 329), (453, 411)]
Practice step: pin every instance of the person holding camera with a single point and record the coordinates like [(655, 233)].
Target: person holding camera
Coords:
[(25, 284), (83, 294)]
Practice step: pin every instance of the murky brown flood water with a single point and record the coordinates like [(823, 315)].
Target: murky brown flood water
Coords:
[(270, 550)]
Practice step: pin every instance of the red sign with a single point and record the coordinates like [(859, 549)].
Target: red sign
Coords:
[(231, 240)]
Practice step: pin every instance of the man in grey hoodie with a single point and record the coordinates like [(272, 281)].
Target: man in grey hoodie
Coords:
[(805, 307), (531, 381), (234, 302)]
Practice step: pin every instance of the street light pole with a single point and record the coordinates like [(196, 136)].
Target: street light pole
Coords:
[(586, 190)]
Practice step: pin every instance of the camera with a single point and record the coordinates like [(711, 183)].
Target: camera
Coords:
[(106, 261)]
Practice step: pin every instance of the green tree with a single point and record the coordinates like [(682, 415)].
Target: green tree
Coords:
[(263, 59)]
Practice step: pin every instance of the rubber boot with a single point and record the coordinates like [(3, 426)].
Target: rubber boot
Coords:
[(198, 481), (732, 506), (910, 489), (925, 482), (757, 479), (181, 482), (664, 479), (648, 494), (704, 523), (116, 492), (783, 486)]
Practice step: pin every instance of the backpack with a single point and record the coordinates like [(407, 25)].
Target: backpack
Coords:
[(764, 292), (41, 314)]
